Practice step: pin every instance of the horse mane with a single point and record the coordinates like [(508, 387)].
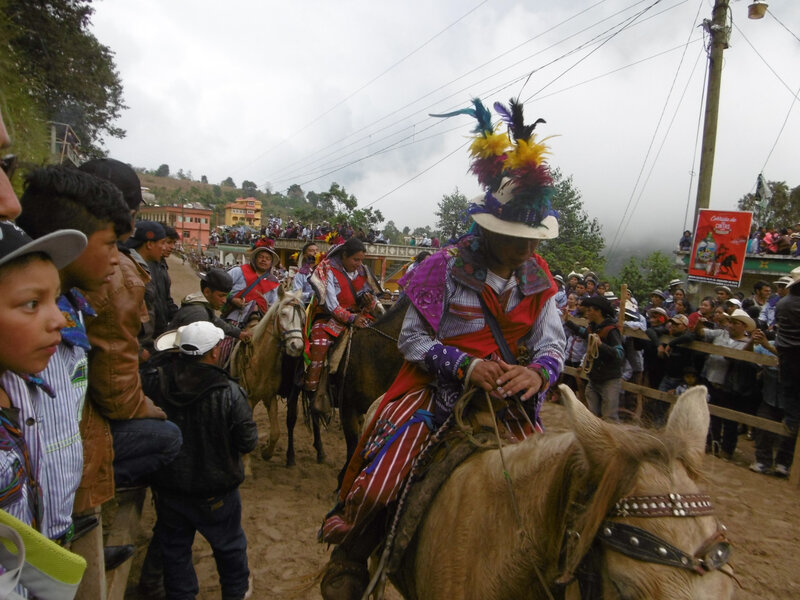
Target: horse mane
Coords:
[(589, 499), (400, 306)]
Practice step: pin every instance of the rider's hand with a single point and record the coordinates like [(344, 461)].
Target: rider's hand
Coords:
[(485, 374), (516, 379), (361, 322), (245, 336)]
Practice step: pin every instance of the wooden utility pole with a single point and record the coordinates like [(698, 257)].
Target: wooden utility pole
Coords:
[(719, 33)]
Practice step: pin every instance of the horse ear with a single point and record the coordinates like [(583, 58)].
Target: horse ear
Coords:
[(281, 292), (593, 435), (689, 419)]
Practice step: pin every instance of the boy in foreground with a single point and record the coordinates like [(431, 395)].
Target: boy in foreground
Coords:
[(199, 490)]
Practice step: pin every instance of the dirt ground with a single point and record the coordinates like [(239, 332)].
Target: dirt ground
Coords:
[(283, 508)]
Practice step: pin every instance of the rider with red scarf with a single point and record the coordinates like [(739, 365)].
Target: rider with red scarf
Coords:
[(345, 293), (482, 314), (256, 279)]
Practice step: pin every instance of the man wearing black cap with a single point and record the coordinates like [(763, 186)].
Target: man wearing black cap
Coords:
[(604, 356), (214, 288), (146, 246), (169, 247)]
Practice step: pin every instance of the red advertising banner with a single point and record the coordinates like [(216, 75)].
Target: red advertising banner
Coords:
[(720, 244)]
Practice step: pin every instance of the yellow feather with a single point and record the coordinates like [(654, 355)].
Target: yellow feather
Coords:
[(493, 144), (526, 153)]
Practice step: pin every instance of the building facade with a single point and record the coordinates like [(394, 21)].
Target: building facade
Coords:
[(192, 221), (245, 211)]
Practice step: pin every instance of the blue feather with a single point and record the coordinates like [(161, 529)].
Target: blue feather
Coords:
[(480, 113), (504, 113)]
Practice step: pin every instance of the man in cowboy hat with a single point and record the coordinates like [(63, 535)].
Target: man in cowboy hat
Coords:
[(482, 314)]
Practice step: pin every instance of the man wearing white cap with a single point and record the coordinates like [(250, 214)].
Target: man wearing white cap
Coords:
[(482, 314), (199, 490), (767, 316)]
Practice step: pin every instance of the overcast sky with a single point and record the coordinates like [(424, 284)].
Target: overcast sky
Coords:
[(315, 91)]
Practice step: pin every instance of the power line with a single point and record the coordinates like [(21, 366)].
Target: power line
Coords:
[(652, 140), (370, 82), (471, 71), (293, 176)]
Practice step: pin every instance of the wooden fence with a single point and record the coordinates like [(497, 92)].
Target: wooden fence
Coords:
[(775, 427)]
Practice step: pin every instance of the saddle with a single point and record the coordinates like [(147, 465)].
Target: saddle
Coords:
[(454, 442)]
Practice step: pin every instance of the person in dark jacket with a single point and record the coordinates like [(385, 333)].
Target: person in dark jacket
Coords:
[(605, 376), (214, 288), (199, 490)]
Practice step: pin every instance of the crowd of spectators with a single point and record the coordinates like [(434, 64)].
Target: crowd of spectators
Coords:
[(765, 322), (762, 240), (277, 229), (86, 298)]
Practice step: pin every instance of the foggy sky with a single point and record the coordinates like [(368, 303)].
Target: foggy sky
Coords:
[(315, 91)]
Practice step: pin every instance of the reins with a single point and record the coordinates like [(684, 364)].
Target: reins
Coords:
[(458, 413)]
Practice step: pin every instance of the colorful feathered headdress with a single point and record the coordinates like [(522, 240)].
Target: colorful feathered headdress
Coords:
[(511, 168)]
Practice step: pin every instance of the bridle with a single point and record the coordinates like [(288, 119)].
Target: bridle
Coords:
[(288, 335), (640, 544)]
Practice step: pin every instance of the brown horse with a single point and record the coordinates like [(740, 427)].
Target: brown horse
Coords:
[(616, 507), (277, 337), (369, 369)]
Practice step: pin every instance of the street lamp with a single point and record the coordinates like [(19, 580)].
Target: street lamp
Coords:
[(757, 9)]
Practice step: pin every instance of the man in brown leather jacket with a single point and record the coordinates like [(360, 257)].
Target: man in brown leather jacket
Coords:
[(118, 416)]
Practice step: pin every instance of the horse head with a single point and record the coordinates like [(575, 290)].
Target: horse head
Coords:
[(291, 320), (646, 530)]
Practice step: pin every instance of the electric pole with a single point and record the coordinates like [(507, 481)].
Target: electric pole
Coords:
[(719, 33)]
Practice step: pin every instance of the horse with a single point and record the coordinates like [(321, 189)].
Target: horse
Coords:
[(356, 382), (277, 339), (373, 362), (607, 510)]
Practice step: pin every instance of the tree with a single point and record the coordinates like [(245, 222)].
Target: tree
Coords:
[(228, 182), (781, 210), (580, 240), (452, 213), (203, 179), (392, 233), (162, 171), (249, 187), (65, 67), (295, 192), (181, 175), (643, 275)]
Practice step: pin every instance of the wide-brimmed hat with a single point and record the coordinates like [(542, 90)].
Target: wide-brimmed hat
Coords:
[(600, 303), (735, 301), (659, 293), (497, 212), (742, 316), (61, 246), (511, 169), (194, 339), (658, 311), (783, 281), (795, 275), (674, 282), (682, 319), (723, 288), (559, 278), (254, 252)]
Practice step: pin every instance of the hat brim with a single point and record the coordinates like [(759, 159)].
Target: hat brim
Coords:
[(275, 258), (546, 230), (61, 246), (166, 341), (750, 325)]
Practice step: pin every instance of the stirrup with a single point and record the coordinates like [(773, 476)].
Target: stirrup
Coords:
[(344, 580)]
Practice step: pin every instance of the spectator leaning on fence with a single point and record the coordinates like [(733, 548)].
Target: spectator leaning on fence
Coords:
[(787, 341)]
